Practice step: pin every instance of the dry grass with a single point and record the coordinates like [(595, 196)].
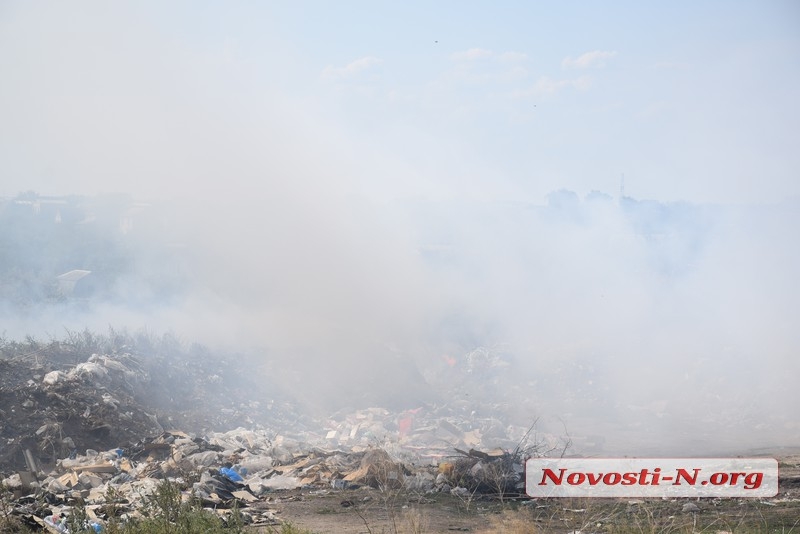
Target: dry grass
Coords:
[(413, 521), (512, 522), (644, 517)]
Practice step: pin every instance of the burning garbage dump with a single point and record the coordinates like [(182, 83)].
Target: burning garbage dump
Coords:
[(91, 440)]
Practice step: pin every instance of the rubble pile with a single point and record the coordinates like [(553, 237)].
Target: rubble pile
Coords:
[(497, 472), (428, 432), (53, 412), (54, 404), (119, 482), (241, 469), (100, 432)]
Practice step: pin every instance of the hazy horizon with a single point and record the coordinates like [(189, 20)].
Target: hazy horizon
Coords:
[(420, 181)]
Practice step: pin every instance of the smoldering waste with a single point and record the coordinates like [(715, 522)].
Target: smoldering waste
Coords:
[(106, 430)]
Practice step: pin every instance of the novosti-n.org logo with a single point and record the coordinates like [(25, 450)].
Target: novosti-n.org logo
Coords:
[(651, 477)]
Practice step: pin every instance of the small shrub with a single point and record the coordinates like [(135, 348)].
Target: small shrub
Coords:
[(165, 513)]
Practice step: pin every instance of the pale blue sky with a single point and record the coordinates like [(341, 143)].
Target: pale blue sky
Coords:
[(691, 101)]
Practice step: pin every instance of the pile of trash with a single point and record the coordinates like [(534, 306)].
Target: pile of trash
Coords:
[(119, 482), (239, 469), (98, 434), (52, 413), (497, 472), (55, 404)]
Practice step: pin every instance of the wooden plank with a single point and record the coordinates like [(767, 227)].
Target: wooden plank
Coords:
[(96, 468)]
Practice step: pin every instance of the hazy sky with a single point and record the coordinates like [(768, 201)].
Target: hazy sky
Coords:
[(318, 147), (691, 101)]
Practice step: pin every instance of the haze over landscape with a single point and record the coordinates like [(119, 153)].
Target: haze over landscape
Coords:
[(603, 198)]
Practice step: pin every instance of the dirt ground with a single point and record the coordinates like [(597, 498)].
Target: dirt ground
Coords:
[(369, 511)]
